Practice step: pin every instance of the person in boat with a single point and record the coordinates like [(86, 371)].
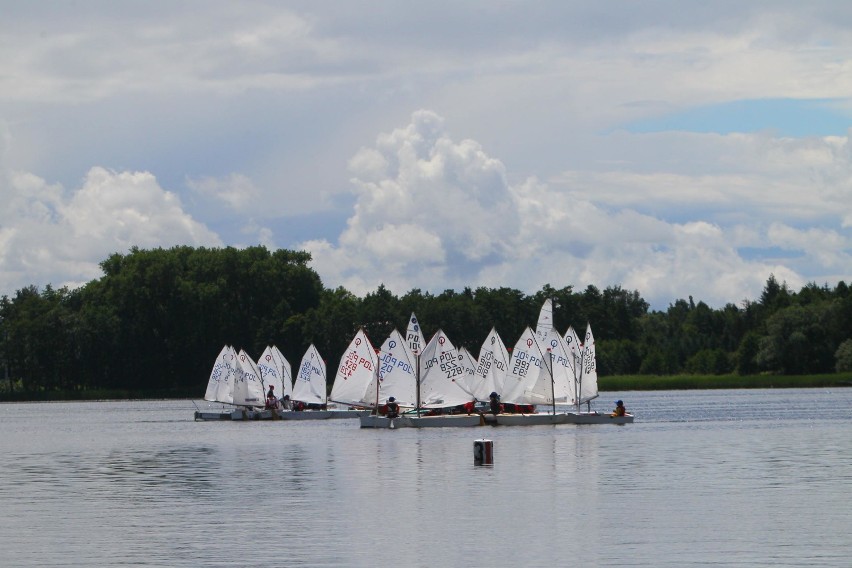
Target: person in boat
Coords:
[(271, 401), (286, 403), (469, 406), (619, 409), (494, 403), (393, 408)]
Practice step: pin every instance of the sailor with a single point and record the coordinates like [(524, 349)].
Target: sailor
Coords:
[(393, 408), (494, 403), (619, 409), (271, 401), (469, 406), (286, 404)]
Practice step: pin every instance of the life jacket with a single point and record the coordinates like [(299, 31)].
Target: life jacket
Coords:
[(393, 410), (619, 411)]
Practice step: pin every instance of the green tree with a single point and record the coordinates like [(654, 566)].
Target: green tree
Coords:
[(843, 357)]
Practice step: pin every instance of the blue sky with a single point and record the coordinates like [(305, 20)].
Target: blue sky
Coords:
[(780, 117), (678, 149)]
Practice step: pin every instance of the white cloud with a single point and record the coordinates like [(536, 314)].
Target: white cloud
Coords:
[(251, 116), (50, 236), (433, 213)]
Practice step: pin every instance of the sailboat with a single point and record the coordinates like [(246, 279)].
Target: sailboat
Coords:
[(220, 385), (356, 373), (545, 320), (530, 381), (249, 394), (435, 381), (309, 388), (441, 386), (587, 386), (395, 378), (491, 368)]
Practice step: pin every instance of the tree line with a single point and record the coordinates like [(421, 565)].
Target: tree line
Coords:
[(156, 320)]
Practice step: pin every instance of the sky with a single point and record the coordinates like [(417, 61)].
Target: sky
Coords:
[(674, 148)]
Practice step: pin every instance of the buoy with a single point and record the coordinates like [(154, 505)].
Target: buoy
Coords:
[(483, 452)]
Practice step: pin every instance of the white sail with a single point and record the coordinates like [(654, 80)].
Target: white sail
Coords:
[(226, 385), (545, 320), (468, 363), (564, 382), (414, 336), (528, 375), (589, 372), (574, 347), (271, 372), (309, 386), (396, 372), (491, 368), (220, 386), (441, 374), (357, 370), (248, 386), (286, 372)]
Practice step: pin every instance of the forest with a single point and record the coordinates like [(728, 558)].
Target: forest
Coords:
[(156, 320)]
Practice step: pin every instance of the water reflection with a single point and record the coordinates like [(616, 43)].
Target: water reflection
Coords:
[(723, 478)]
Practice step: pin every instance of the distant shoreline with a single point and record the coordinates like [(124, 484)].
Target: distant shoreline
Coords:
[(605, 384)]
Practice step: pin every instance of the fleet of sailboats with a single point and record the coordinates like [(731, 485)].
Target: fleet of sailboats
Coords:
[(546, 379)]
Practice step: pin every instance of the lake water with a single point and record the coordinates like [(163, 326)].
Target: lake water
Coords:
[(702, 478)]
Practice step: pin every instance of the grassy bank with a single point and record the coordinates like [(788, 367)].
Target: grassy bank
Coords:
[(687, 382)]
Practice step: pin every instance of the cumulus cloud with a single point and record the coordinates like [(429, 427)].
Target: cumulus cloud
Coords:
[(433, 213), (250, 118), (51, 236)]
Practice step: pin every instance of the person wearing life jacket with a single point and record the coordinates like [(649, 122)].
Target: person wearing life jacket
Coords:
[(619, 409), (271, 401), (494, 403), (393, 408), (469, 406), (286, 403)]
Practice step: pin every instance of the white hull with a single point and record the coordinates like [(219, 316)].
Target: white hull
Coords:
[(321, 414), (597, 418), (268, 414), (410, 421), (539, 419), (212, 415)]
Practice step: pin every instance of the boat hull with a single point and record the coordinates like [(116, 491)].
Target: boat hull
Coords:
[(275, 414), (212, 415), (541, 419), (321, 414), (597, 418), (410, 421)]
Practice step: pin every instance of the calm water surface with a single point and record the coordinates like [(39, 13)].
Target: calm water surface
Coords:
[(703, 478)]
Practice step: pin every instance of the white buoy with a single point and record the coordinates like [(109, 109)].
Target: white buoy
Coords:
[(483, 452)]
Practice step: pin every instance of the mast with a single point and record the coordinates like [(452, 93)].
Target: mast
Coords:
[(376, 407), (552, 385), (417, 378), (579, 381)]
